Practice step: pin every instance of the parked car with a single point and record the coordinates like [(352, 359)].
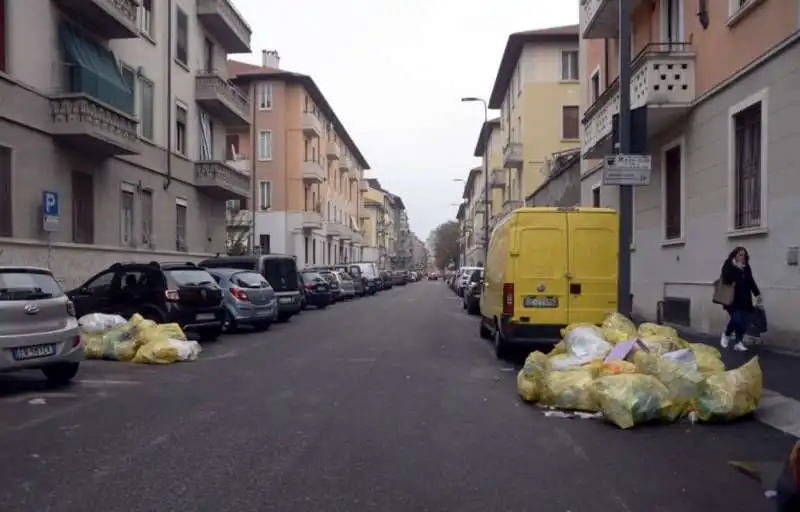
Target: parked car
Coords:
[(333, 283), (38, 325), (386, 279), (354, 272), (248, 299), (472, 293), (280, 271), (168, 292), (463, 277), (346, 284), (317, 290), (433, 277), (369, 275)]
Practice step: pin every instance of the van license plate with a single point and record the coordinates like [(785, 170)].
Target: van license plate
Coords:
[(206, 316), (285, 300), (36, 351), (540, 302)]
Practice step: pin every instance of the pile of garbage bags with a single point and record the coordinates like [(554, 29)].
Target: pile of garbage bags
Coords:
[(636, 375), (137, 340)]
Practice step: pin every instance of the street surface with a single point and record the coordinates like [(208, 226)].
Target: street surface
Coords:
[(389, 403)]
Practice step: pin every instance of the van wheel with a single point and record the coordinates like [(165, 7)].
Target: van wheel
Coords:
[(484, 331), (501, 348)]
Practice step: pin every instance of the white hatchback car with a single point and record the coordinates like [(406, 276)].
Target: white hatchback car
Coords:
[(38, 328)]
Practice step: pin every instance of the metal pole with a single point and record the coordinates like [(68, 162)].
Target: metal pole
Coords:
[(625, 191), (485, 181)]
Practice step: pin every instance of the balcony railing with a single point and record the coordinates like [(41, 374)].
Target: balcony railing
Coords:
[(106, 19), (227, 26), (312, 220), (600, 18), (312, 126), (313, 172), (221, 181), (333, 228), (662, 74), (92, 126), (498, 178), (512, 155), (363, 186), (332, 150), (222, 99), (511, 204)]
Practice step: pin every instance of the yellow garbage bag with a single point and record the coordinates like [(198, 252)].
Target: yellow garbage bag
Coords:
[(659, 344), (558, 348), (167, 351), (709, 360), (116, 344), (614, 368), (631, 399), (732, 394), (570, 389), (617, 328), (571, 327), (699, 348), (662, 331), (680, 376), (172, 331), (531, 379)]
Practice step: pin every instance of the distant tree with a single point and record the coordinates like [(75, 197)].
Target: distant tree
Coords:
[(446, 247)]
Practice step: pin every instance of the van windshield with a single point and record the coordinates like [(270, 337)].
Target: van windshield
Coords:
[(281, 273)]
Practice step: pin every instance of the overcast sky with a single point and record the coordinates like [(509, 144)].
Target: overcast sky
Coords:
[(394, 72)]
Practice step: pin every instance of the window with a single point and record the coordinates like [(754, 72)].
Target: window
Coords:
[(314, 251), (146, 108), (182, 38), (738, 8), (264, 243), (180, 129), (671, 21), (596, 196), (265, 96), (306, 248), (264, 195), (569, 123), (265, 145), (673, 186), (129, 77), (3, 36), (147, 218), (569, 66), (6, 196), (126, 215), (208, 55), (748, 166), (594, 86), (82, 208), (101, 283), (181, 211), (146, 18), (231, 146)]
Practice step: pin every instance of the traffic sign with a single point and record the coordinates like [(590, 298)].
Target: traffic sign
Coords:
[(631, 170), (50, 213)]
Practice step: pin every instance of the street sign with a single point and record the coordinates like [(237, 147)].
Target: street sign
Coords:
[(631, 170), (50, 213)]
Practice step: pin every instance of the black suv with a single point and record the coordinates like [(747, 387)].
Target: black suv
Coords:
[(182, 293)]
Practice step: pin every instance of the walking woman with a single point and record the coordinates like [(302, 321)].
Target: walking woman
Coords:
[(736, 272)]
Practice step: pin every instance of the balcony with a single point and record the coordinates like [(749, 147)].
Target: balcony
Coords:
[(601, 18), (662, 79), (241, 164), (332, 150), (333, 228), (236, 220), (221, 99), (363, 214), (353, 177), (510, 205), (512, 155), (221, 181), (346, 234), (357, 238), (107, 19), (498, 179), (312, 126), (312, 220), (90, 125), (345, 164), (225, 24), (363, 186), (313, 172)]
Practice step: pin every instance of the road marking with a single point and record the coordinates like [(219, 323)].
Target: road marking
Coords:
[(779, 412), (93, 382)]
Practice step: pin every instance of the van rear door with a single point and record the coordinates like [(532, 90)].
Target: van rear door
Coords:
[(538, 255), (593, 254)]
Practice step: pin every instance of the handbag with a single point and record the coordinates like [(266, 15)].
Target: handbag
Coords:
[(723, 293)]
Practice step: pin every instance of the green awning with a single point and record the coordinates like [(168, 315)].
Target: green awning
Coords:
[(93, 69)]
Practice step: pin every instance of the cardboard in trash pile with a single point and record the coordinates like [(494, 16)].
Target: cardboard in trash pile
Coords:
[(622, 350)]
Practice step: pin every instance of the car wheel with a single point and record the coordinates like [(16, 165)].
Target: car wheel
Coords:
[(473, 308), (60, 374), (283, 318), (262, 325), (322, 306), (210, 334), (501, 348), (485, 333), (229, 323), (464, 304)]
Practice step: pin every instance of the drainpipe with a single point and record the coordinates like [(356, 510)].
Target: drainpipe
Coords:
[(170, 103), (253, 149)]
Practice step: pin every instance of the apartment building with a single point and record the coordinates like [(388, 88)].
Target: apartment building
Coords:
[(537, 90), (472, 224), (716, 98), (309, 173), (389, 230), (490, 147), (112, 131)]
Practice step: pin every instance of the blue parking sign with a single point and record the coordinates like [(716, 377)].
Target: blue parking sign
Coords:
[(49, 211)]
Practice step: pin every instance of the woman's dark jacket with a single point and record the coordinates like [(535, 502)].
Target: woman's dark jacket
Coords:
[(744, 286)]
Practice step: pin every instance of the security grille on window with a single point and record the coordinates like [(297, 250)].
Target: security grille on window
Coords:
[(569, 66), (747, 161), (126, 218), (180, 129), (147, 219), (180, 227)]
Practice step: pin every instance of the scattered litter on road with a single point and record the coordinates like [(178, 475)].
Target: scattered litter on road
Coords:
[(572, 414), (37, 401)]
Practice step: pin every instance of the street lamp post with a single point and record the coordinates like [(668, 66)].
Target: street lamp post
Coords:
[(485, 134)]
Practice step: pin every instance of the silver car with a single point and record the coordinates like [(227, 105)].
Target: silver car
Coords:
[(347, 288), (247, 297), (38, 328)]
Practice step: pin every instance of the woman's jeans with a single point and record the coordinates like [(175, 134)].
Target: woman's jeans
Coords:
[(738, 324)]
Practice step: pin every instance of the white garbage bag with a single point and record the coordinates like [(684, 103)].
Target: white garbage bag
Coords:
[(584, 345), (100, 322)]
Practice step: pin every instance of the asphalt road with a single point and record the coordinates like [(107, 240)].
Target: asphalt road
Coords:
[(390, 403)]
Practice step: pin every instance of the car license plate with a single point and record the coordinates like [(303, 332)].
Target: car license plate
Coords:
[(285, 300), (533, 301), (206, 316), (23, 353)]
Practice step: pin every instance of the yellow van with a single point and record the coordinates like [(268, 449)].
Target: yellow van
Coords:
[(546, 268)]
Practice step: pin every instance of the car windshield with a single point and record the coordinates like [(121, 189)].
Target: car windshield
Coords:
[(345, 276), (355, 270), (328, 276), (312, 276), (190, 276), (281, 273), (28, 285), (249, 280)]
